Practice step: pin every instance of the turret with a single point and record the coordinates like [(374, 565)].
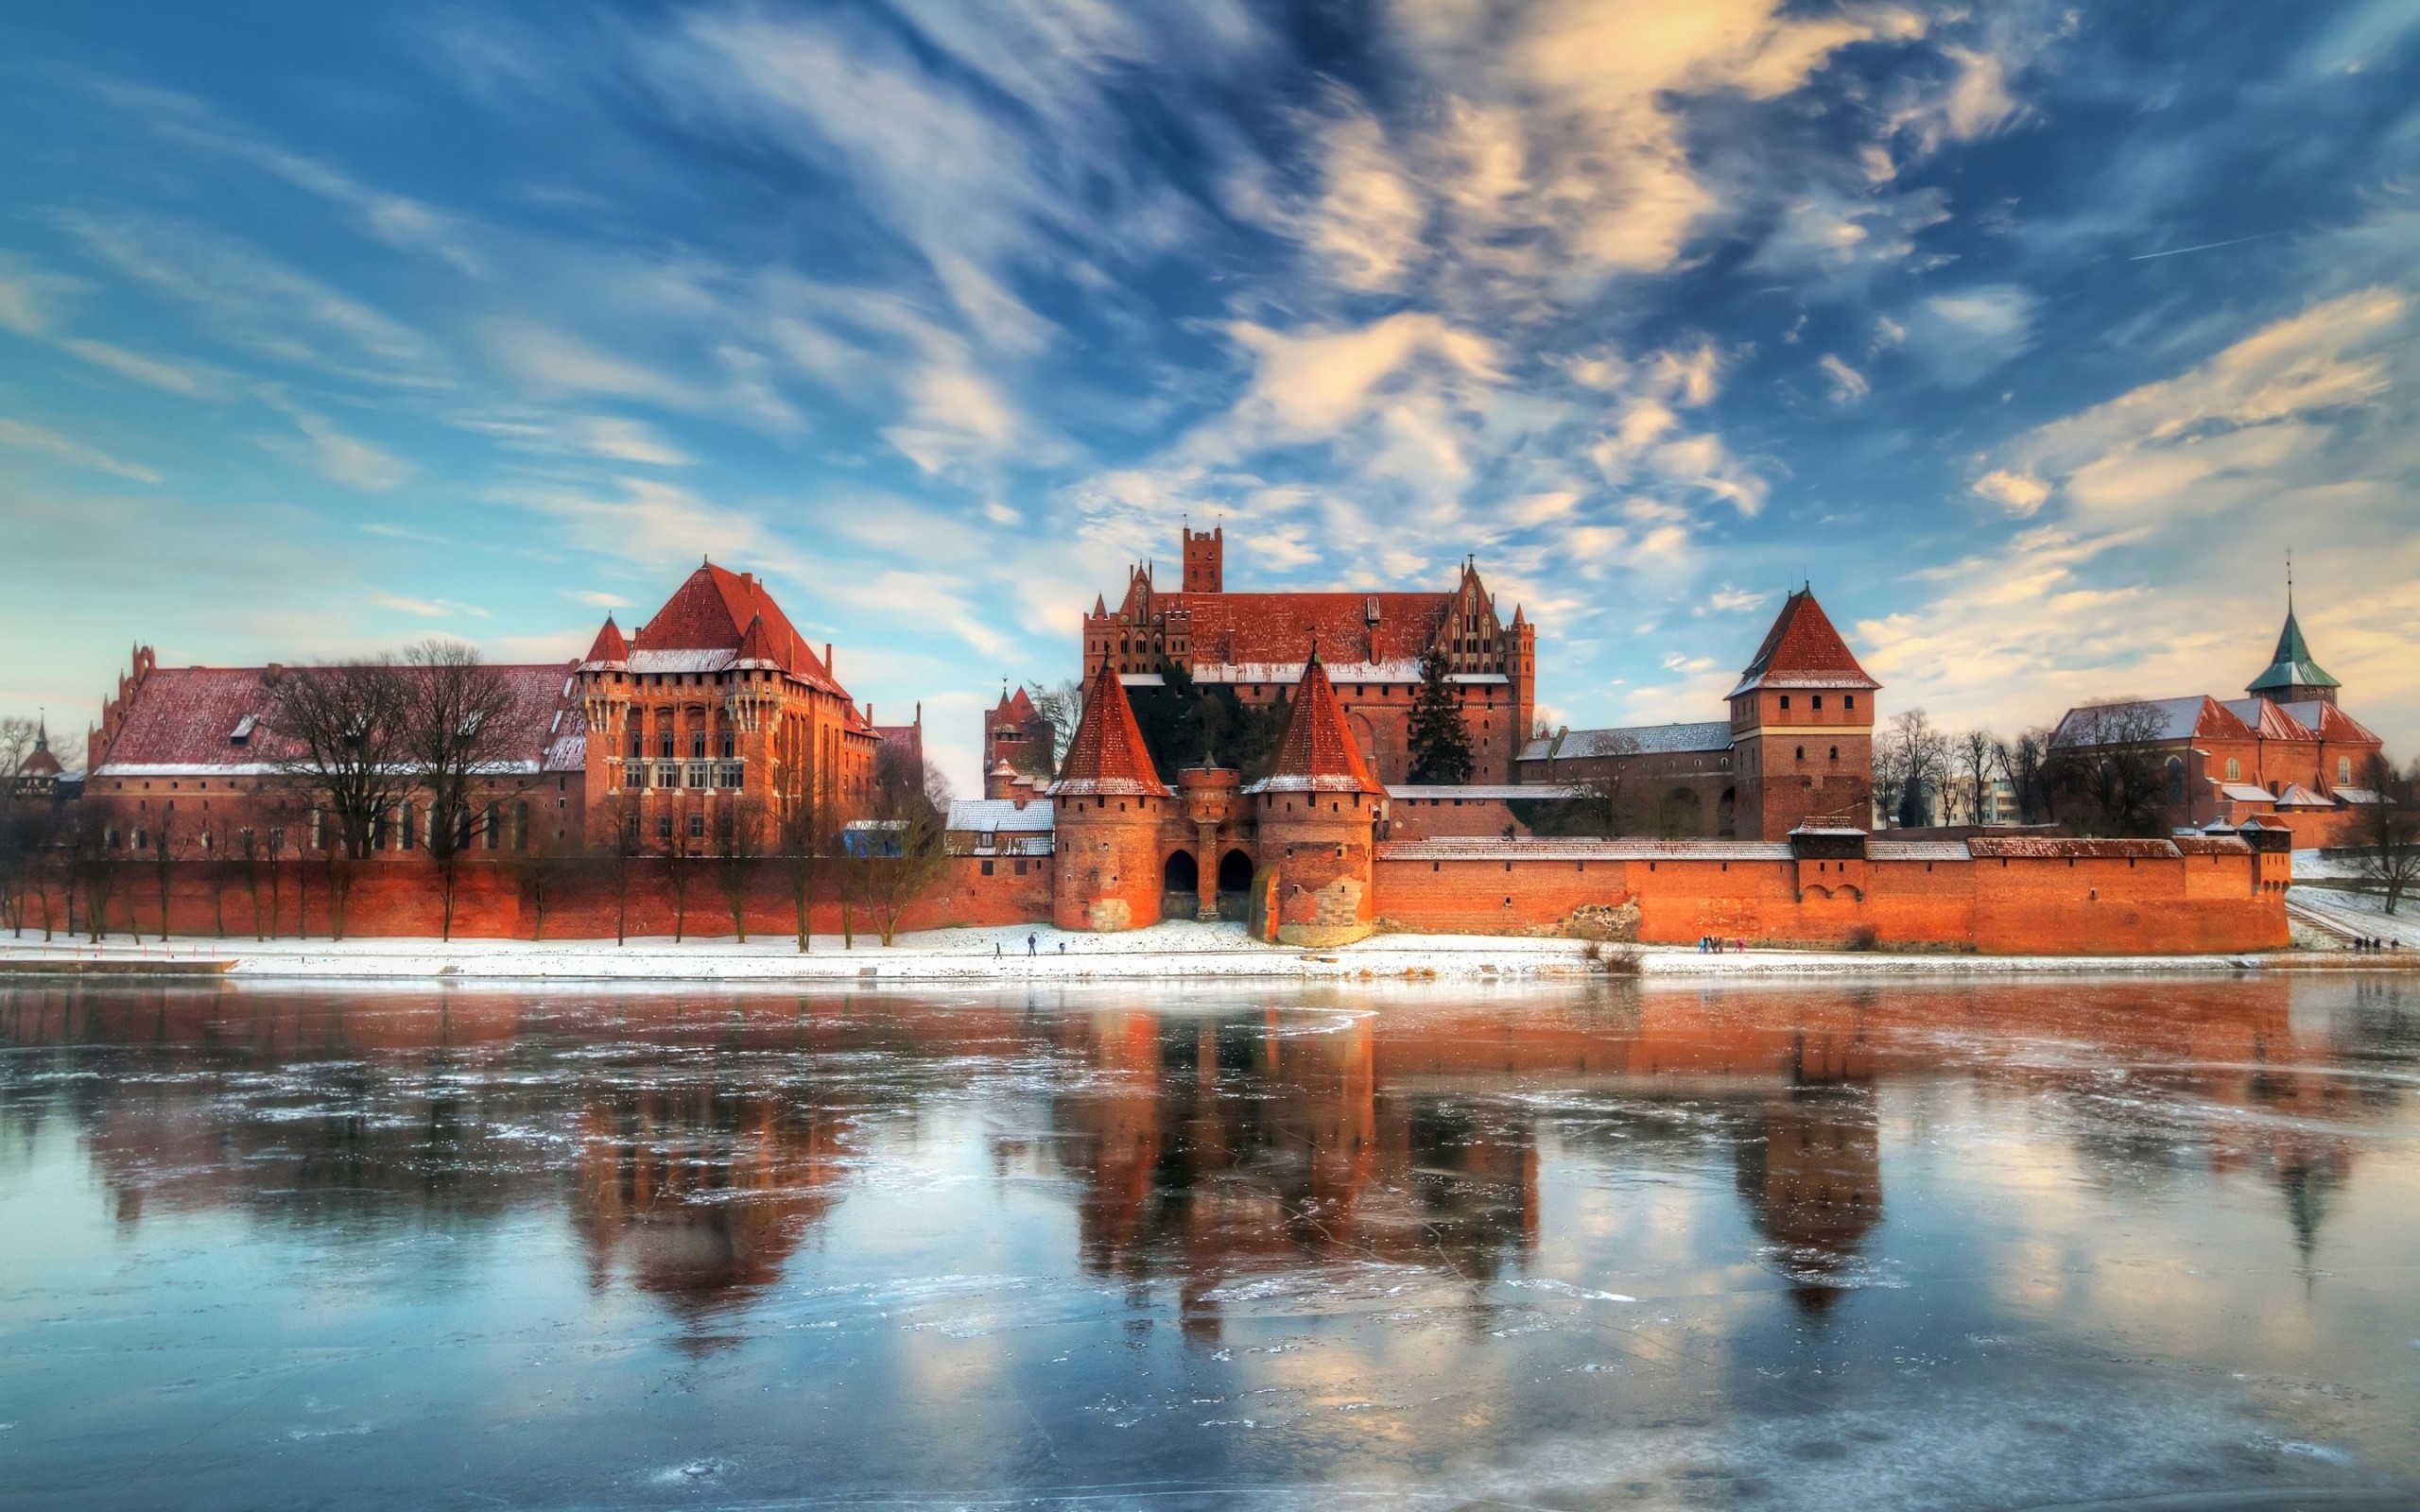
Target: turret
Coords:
[(1802, 729), (1108, 807), (1318, 812), (2291, 675)]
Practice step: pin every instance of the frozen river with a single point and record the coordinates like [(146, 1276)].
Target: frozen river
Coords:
[(1929, 1245)]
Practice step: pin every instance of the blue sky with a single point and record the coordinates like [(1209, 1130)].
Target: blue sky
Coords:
[(2035, 336)]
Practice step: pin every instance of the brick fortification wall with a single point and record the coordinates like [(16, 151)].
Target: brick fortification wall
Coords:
[(399, 898), (2063, 898), (2046, 897)]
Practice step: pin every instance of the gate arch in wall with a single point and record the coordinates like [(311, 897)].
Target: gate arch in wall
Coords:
[(1235, 884), (1180, 886)]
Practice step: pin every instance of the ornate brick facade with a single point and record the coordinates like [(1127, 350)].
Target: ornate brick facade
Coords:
[(1258, 643), (717, 700)]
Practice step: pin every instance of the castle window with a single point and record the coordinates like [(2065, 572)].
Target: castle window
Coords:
[(1849, 701), (1801, 753), (2343, 768), (728, 750), (664, 826), (1836, 753), (1784, 700), (664, 737), (697, 826), (697, 744), (2235, 770), (1819, 701)]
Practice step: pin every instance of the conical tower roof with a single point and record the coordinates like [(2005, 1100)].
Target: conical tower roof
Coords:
[(609, 646), (42, 763), (1107, 759), (2291, 670), (1803, 650), (1319, 753)]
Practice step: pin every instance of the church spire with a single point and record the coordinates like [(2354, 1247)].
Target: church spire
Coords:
[(2292, 676)]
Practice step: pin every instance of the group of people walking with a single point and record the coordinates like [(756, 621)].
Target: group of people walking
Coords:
[(1715, 945)]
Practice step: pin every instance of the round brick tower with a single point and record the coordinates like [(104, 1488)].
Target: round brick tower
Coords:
[(1318, 812), (1109, 806)]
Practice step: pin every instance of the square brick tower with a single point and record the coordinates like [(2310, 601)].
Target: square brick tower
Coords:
[(1802, 728)]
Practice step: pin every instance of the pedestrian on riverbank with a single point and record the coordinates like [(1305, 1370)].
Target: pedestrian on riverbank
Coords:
[(1029, 947)]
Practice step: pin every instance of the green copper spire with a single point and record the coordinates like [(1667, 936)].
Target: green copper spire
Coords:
[(2291, 671)]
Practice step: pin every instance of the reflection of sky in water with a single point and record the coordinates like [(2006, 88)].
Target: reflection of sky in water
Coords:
[(1974, 1244)]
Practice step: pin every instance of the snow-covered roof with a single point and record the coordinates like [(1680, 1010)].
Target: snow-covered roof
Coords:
[(1486, 848), (2245, 792), (995, 815), (2298, 796), (1631, 740), (1232, 672), (1485, 792), (1879, 849), (678, 662)]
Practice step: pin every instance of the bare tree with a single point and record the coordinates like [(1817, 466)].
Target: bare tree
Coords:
[(906, 850), (1889, 780), (1062, 709), (541, 871), (1978, 757), (2108, 759), (343, 727), (165, 840), (2387, 836), (2024, 762), (805, 842), (95, 865), (739, 850), (1919, 760), (679, 862), (463, 730), (32, 845), (623, 845)]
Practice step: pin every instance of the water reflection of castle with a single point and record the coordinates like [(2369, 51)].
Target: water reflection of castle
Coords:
[(1203, 1148)]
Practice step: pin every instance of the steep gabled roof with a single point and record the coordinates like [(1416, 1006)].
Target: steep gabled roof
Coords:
[(2197, 716), (1013, 707), (1803, 650), (206, 720), (2290, 665), (609, 649), (712, 611), (1107, 759), (2328, 722), (2268, 721), (1318, 754)]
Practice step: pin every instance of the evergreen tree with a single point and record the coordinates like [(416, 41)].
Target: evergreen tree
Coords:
[(1439, 742)]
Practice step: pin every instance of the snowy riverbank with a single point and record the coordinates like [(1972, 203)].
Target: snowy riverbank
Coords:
[(1171, 950)]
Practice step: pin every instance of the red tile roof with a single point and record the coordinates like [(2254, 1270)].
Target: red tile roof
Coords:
[(1107, 757), (1983, 846), (1016, 707), (1802, 650), (609, 645), (1318, 754), (1282, 627), (715, 610), (185, 719), (2269, 721)]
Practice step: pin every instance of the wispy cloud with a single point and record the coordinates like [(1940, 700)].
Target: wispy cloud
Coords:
[(75, 454)]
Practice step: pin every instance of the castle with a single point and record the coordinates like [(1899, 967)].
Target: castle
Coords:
[(716, 705)]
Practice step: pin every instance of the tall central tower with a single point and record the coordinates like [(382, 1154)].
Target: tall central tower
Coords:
[(1205, 566)]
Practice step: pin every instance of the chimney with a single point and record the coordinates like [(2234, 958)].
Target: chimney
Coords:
[(830, 668)]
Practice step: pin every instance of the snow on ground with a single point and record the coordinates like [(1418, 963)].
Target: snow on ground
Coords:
[(2363, 913), (1175, 949)]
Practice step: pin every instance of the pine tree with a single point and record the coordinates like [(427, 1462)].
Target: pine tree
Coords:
[(1440, 743)]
